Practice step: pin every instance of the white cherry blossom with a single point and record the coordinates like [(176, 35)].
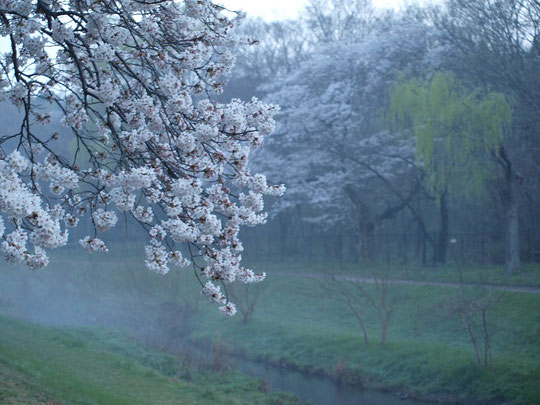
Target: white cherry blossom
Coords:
[(133, 81)]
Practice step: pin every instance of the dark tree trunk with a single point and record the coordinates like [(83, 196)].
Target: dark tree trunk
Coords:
[(367, 247), (439, 254), (512, 262)]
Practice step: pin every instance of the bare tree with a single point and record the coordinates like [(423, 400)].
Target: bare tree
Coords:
[(355, 293), (246, 298), (471, 306)]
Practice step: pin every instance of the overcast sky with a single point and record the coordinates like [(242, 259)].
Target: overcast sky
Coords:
[(279, 9)]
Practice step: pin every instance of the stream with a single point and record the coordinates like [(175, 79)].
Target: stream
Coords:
[(313, 389)]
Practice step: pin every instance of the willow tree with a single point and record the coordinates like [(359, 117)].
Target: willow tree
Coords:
[(460, 138)]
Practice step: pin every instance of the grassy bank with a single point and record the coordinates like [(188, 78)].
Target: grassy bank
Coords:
[(80, 365), (297, 324), (427, 355)]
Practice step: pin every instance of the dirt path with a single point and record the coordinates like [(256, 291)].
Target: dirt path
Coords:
[(368, 280)]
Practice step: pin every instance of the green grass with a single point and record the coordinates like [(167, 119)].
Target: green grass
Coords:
[(88, 366), (298, 325), (427, 356), (494, 274)]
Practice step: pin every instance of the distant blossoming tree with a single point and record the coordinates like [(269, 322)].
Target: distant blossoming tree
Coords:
[(134, 80), (332, 151)]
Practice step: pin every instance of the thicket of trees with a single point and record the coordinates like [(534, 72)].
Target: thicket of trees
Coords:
[(423, 123), (419, 124)]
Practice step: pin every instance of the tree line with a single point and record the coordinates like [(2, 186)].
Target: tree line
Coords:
[(423, 121)]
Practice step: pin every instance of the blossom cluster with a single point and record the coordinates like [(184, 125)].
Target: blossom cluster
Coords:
[(157, 147)]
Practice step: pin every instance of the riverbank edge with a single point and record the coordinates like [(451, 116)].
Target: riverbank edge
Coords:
[(349, 378), (32, 384)]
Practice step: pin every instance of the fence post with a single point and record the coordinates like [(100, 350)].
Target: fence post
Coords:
[(269, 244), (483, 251), (405, 253), (423, 249), (529, 258), (462, 247)]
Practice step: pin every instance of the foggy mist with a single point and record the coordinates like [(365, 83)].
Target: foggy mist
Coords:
[(338, 208)]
